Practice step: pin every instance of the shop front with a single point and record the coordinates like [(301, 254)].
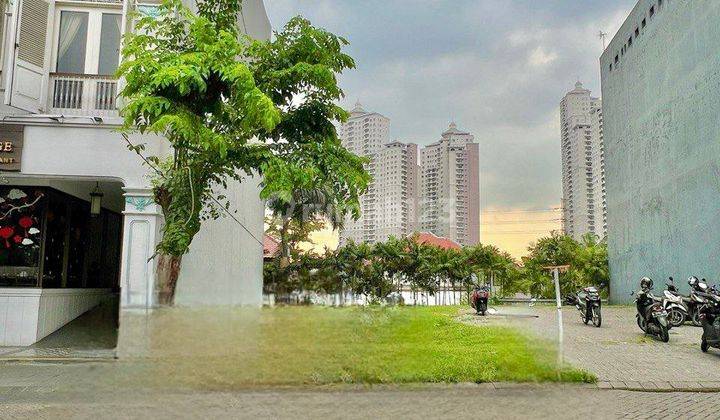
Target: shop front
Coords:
[(59, 256)]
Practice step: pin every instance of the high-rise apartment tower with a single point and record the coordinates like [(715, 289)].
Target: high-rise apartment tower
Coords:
[(449, 187), (583, 164)]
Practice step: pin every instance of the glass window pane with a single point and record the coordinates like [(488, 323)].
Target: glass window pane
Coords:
[(109, 44), (72, 42)]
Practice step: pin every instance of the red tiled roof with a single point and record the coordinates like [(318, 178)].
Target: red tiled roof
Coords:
[(438, 241), (271, 246)]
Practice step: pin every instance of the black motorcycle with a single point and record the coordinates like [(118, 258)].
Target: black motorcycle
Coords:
[(710, 321), (587, 301), (698, 289), (651, 316)]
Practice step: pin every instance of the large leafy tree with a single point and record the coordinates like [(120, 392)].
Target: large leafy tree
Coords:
[(230, 107), (587, 260)]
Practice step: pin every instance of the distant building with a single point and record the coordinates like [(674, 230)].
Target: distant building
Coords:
[(396, 186), (583, 166), (389, 208), (660, 84), (449, 187)]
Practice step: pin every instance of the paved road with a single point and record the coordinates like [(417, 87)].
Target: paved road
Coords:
[(382, 402), (618, 351)]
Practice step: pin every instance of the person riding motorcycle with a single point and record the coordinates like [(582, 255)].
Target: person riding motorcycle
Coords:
[(479, 299)]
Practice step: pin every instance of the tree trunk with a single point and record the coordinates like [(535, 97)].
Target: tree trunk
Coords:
[(284, 246), (168, 271)]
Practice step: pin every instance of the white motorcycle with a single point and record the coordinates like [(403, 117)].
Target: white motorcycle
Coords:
[(676, 310)]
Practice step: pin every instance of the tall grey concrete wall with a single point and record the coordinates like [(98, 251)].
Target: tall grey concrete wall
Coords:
[(661, 104)]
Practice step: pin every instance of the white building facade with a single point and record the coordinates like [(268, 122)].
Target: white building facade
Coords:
[(583, 164), (389, 207), (57, 120), (396, 184), (450, 187)]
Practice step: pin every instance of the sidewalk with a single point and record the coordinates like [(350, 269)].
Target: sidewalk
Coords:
[(618, 353)]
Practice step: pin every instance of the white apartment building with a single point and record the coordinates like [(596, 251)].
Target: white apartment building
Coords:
[(583, 164), (396, 186), (389, 208), (77, 218), (450, 187)]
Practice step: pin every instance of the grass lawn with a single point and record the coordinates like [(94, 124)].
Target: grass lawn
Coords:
[(317, 345)]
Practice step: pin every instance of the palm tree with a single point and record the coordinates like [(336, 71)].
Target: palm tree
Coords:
[(304, 206)]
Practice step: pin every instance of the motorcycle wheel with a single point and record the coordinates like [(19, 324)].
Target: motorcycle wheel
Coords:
[(596, 317), (675, 317), (704, 346), (664, 335), (586, 318), (640, 324), (696, 318)]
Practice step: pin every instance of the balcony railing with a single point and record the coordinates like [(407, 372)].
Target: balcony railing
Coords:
[(83, 94)]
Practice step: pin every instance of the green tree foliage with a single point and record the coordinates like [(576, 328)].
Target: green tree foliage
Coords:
[(379, 269), (271, 112), (587, 260)]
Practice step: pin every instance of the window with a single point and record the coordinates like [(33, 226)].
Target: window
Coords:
[(644, 23), (630, 42), (109, 44), (637, 32), (88, 40), (72, 42), (652, 11)]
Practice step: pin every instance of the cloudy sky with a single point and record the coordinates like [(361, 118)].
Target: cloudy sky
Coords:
[(497, 67)]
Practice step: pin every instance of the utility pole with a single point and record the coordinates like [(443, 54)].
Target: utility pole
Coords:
[(556, 269), (602, 36)]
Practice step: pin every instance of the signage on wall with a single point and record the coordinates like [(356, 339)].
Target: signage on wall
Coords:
[(11, 144)]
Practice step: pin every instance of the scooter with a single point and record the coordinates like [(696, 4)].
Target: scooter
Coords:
[(651, 316), (686, 300), (479, 299), (675, 307), (587, 301), (710, 321), (698, 289)]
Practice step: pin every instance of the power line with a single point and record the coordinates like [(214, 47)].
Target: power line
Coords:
[(555, 209), (520, 222), (518, 232)]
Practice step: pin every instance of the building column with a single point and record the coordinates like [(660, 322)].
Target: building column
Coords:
[(142, 221)]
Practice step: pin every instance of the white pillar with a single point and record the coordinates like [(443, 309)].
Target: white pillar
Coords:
[(142, 221)]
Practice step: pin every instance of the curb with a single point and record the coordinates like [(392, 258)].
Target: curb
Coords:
[(660, 386)]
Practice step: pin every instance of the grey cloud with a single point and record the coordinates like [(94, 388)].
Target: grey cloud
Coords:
[(497, 67)]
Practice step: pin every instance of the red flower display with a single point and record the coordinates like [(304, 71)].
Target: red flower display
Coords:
[(25, 222), (17, 239), (5, 233)]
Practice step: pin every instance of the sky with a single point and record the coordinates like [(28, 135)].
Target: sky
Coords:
[(498, 68)]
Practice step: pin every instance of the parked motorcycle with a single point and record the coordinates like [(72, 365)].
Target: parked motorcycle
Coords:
[(686, 301), (587, 301), (651, 316), (674, 304), (710, 321), (698, 288), (479, 299)]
